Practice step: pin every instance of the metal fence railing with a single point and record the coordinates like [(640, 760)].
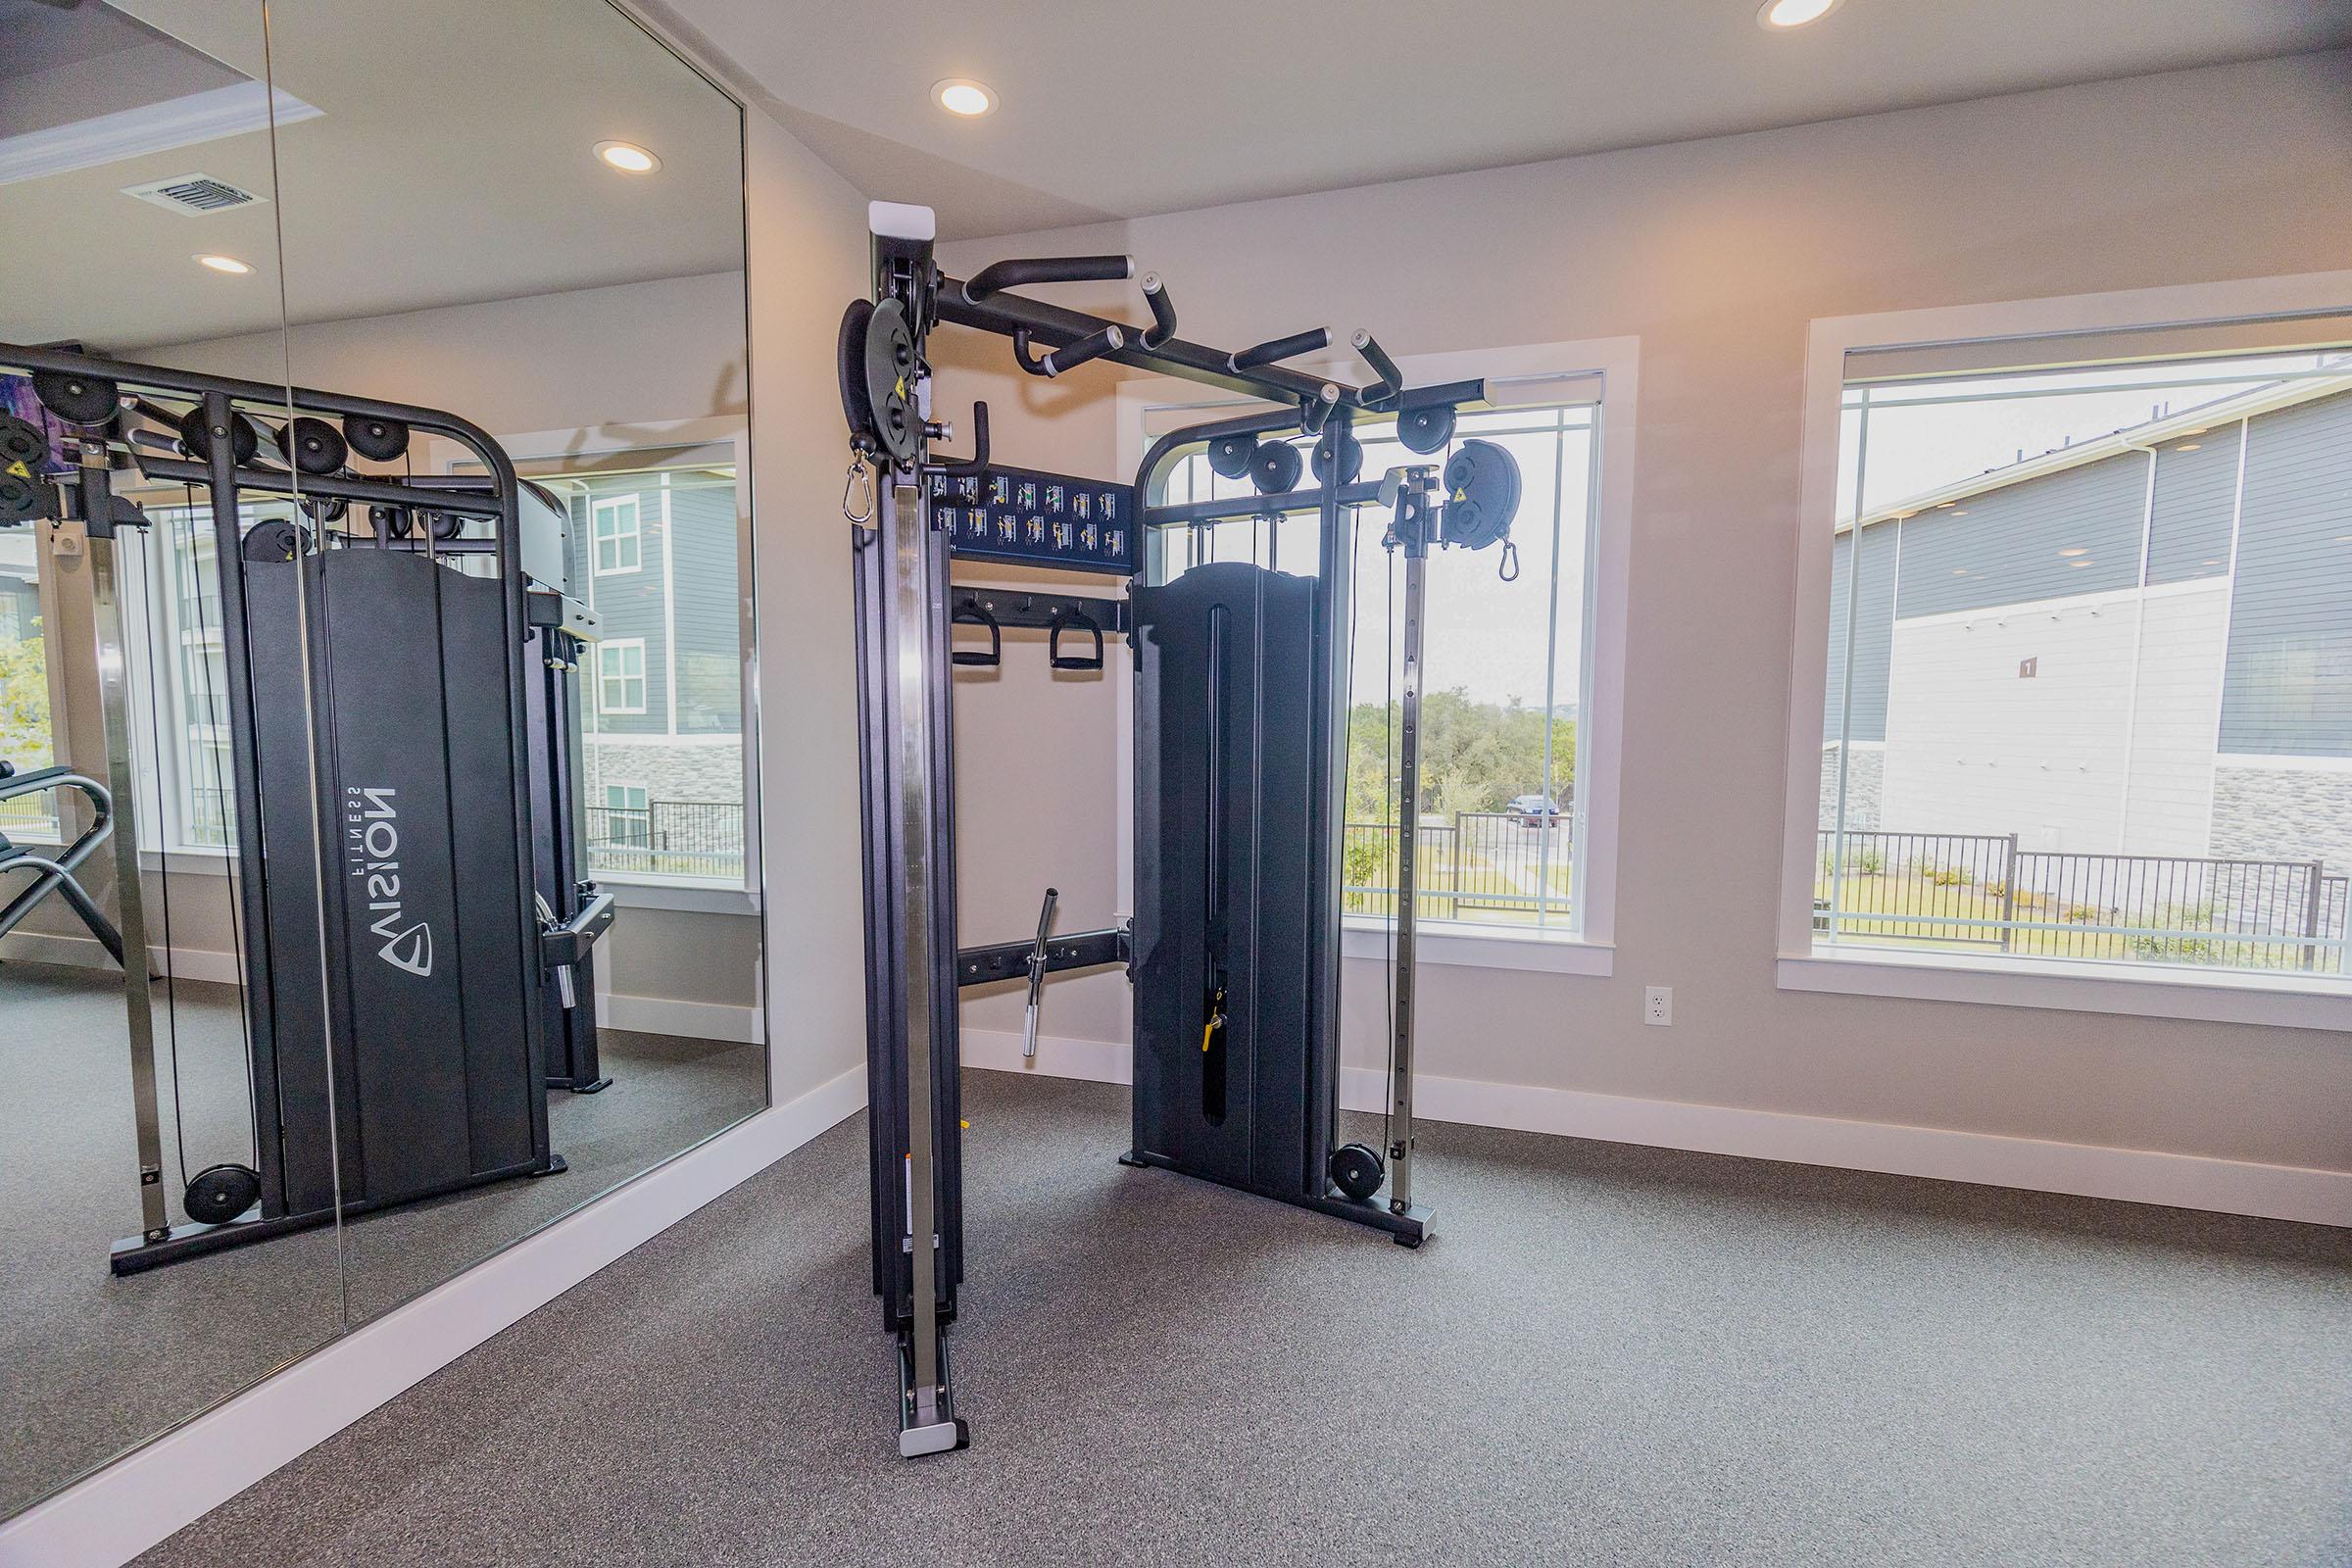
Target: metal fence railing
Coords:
[(1474, 865), (1962, 890), (668, 838)]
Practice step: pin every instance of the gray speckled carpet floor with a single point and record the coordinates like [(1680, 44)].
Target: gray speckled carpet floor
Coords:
[(1607, 1355), (90, 1364)]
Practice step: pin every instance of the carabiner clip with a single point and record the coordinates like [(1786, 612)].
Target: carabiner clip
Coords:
[(860, 475), (1508, 569)]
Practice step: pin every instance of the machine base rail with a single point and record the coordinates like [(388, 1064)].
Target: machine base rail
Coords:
[(928, 1427), (136, 1254), (1409, 1229)]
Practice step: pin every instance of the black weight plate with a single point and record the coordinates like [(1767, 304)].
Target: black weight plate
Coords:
[(1425, 430), (377, 440), (1229, 455), (1356, 1170), (20, 442), (849, 361), (273, 542), (22, 498), (1482, 495), (1274, 468), (889, 382), (313, 446), (218, 1193), (75, 398), (194, 434), (1351, 459)]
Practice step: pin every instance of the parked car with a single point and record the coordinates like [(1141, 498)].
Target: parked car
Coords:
[(1536, 811)]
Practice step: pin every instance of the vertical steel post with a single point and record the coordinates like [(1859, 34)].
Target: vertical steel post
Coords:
[(2009, 898), (114, 706), (1408, 834)]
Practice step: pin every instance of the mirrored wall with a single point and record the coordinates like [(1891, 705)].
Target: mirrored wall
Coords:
[(376, 639)]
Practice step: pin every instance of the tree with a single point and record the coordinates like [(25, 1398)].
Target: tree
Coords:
[(25, 733), (1475, 757)]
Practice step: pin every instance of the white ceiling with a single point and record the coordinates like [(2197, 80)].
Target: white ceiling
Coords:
[(452, 161), (1122, 108)]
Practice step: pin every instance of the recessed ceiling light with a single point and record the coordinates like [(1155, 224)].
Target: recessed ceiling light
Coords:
[(959, 95), (1778, 15), (223, 264), (2072, 551), (627, 156), (2190, 446)]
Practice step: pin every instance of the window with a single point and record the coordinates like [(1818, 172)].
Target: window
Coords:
[(620, 676), (2088, 686), (628, 818), (613, 521), (26, 736), (1520, 685)]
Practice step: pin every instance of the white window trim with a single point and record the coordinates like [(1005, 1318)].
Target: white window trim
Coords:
[(635, 536), (616, 644), (2131, 989), (1614, 362)]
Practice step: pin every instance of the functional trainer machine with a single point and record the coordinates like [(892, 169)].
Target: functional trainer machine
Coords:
[(415, 935), (1240, 679)]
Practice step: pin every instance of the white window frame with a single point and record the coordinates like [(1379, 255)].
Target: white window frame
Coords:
[(2143, 989), (616, 644), (1605, 372), (599, 508)]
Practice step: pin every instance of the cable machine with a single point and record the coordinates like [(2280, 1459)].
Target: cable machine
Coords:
[(403, 752), (1241, 690)]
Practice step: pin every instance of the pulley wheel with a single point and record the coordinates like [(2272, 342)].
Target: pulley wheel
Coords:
[(1274, 468), (1229, 455), (849, 361), (313, 446), (273, 542), (22, 498), (22, 444), (889, 382), (218, 1193), (75, 398), (1481, 494), (1356, 1172), (1350, 453), (1426, 430), (375, 439), (197, 436), (393, 521), (323, 509)]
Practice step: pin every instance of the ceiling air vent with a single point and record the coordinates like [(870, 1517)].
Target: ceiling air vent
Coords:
[(192, 194)]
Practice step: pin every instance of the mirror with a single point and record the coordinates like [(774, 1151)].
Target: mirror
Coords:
[(439, 793), (530, 214), (136, 189)]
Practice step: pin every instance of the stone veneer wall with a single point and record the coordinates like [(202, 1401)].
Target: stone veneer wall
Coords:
[(1862, 788), (2284, 814)]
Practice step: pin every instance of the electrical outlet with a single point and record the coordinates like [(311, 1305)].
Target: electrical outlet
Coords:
[(1657, 1005)]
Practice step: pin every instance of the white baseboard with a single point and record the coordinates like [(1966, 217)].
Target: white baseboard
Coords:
[(121, 1511), (666, 1016), (1988, 1160), (86, 953)]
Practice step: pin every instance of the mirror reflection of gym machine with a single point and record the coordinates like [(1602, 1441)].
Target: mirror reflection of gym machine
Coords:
[(1241, 676), (401, 1037)]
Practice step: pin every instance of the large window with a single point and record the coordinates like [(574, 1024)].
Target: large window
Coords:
[(27, 738), (1505, 661), (657, 553), (2090, 664)]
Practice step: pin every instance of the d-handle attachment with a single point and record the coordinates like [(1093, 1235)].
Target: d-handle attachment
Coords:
[(1055, 659), (972, 613), (1037, 973)]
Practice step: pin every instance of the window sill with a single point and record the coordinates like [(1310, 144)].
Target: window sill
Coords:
[(1458, 947), (686, 894), (2144, 991)]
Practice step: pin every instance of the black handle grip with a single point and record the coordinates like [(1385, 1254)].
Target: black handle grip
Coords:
[(1280, 348), (978, 461), (1022, 272), (1063, 622), (974, 614), (1163, 311), (1391, 379), (1093, 346)]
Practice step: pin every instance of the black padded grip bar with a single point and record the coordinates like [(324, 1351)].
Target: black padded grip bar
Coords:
[(1105, 340), (1163, 313), (1020, 272), (1280, 348), (1391, 379)]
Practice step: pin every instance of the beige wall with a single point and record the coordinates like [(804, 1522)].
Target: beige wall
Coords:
[(1717, 254)]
